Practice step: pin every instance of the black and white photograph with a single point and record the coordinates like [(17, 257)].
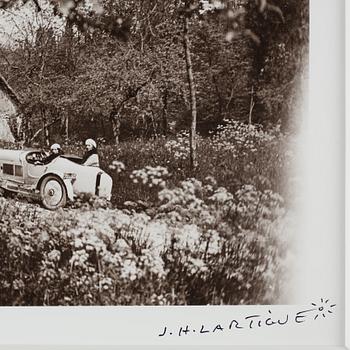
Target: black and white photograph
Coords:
[(148, 151)]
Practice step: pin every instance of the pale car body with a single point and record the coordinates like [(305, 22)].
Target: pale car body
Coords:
[(25, 172)]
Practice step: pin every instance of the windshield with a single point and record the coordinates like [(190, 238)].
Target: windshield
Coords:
[(35, 156)]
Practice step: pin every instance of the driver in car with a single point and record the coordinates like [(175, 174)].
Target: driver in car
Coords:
[(55, 151)]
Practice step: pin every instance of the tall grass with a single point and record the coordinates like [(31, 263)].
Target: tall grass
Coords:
[(215, 236), (238, 154)]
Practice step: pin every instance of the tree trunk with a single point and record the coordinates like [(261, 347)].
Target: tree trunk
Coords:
[(67, 128), (252, 103), (47, 134), (27, 130), (115, 120), (164, 114), (155, 134), (19, 125), (9, 92), (45, 128), (192, 88)]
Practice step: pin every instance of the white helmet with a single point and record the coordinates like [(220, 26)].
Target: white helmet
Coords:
[(55, 146), (90, 142)]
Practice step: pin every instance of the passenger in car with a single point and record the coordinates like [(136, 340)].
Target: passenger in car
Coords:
[(90, 157)]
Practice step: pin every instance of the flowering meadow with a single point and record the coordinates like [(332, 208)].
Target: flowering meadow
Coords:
[(170, 236)]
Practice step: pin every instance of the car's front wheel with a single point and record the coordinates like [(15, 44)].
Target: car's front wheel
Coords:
[(53, 193)]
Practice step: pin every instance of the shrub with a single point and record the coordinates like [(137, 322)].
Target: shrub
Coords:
[(216, 236), (236, 155), (203, 246)]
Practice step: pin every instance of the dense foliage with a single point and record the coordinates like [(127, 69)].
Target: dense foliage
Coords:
[(75, 84), (190, 241)]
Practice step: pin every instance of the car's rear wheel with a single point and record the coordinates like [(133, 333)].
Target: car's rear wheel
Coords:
[(53, 193)]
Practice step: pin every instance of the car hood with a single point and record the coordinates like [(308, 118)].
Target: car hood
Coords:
[(11, 155)]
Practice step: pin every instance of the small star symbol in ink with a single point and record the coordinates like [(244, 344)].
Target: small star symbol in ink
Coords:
[(323, 308)]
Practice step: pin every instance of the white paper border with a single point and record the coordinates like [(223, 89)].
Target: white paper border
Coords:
[(347, 182)]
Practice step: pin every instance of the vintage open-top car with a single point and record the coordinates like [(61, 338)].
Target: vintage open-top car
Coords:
[(62, 179)]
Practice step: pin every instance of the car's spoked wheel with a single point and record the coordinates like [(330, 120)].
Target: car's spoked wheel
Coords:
[(53, 193)]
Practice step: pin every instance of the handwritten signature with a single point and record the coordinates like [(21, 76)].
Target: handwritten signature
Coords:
[(253, 321)]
